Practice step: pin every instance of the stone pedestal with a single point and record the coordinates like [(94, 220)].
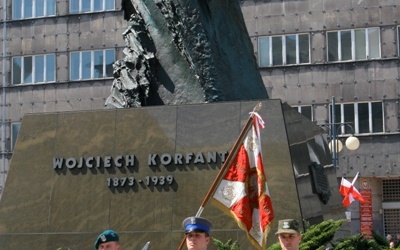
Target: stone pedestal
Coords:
[(142, 171)]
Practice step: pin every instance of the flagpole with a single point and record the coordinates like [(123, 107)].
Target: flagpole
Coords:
[(226, 164), (355, 178)]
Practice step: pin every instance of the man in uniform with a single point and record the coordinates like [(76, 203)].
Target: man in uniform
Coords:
[(107, 240), (288, 234), (197, 231)]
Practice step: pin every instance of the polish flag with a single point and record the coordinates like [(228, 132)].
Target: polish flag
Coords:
[(349, 192), (243, 192)]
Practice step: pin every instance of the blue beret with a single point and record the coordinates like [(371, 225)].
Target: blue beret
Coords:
[(106, 236), (196, 224)]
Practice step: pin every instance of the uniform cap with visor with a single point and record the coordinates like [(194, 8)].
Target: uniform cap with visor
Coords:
[(290, 226), (196, 224)]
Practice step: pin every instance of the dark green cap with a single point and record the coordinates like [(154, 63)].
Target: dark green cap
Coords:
[(288, 226)]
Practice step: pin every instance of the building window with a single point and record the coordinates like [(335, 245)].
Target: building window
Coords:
[(353, 45), (306, 111), (391, 205), (22, 9), (283, 50), (33, 69), (14, 133), (86, 65), (365, 118), (391, 190), (398, 40), (82, 6)]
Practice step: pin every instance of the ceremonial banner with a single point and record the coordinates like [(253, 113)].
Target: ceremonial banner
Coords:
[(243, 192)]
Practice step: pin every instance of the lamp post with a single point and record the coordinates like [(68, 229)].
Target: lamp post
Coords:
[(335, 146)]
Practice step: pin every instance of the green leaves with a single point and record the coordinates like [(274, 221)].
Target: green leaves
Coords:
[(320, 234), (229, 245), (358, 242), (320, 237)]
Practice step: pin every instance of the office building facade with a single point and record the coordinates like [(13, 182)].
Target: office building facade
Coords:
[(315, 53), (57, 56)]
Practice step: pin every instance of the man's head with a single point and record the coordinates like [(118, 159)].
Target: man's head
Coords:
[(197, 231), (107, 240), (289, 234)]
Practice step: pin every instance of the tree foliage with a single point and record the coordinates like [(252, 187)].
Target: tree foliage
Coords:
[(358, 242), (380, 239), (229, 245), (320, 237), (320, 234)]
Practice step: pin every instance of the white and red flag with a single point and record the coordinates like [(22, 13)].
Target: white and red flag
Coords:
[(243, 192), (349, 192)]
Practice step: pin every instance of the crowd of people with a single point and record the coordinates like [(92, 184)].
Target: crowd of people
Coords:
[(197, 233), (393, 242)]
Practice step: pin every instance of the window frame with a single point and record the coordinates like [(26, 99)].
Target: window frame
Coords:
[(340, 118), (339, 42), (398, 40), (80, 69), (14, 134), (284, 51), (33, 69), (310, 107), (22, 3), (79, 10)]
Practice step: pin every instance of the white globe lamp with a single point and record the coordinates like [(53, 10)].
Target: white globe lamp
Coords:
[(352, 143), (338, 143)]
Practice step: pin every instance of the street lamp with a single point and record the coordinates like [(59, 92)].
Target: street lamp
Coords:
[(352, 143), (335, 146)]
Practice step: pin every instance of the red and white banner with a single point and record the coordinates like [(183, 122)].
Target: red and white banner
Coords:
[(243, 192), (366, 214)]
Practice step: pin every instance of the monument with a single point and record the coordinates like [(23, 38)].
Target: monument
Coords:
[(185, 51), (142, 171)]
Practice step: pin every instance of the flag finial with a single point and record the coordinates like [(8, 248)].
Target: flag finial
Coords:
[(257, 107)]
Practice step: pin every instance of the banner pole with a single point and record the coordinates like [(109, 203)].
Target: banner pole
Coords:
[(225, 166)]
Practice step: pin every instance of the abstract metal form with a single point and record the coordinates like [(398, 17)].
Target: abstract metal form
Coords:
[(184, 51)]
